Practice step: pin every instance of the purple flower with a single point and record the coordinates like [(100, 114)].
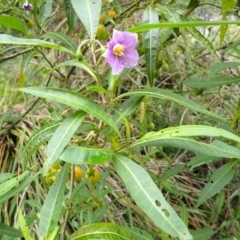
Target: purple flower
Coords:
[(27, 6), (121, 52)]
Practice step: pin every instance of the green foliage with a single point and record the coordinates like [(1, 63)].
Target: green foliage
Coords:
[(163, 136)]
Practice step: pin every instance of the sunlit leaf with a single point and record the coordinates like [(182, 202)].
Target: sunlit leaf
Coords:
[(88, 12), (62, 38), (170, 96), (86, 155), (148, 196), (11, 183), (102, 231), (150, 42), (62, 137), (53, 204), (12, 22), (74, 100), (8, 39)]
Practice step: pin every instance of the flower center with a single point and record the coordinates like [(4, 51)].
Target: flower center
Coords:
[(118, 50)]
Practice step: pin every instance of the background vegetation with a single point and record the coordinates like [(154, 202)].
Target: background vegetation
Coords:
[(150, 154)]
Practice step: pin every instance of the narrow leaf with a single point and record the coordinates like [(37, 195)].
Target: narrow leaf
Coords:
[(8, 39), (88, 12), (71, 16), (150, 42), (12, 22), (53, 204), (62, 38), (24, 228), (147, 195), (11, 183), (46, 10), (170, 96), (213, 82), (145, 27), (86, 155), (102, 231), (219, 179), (62, 137), (205, 233), (10, 231), (215, 150), (74, 100)]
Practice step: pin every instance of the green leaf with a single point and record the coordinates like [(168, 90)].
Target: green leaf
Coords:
[(150, 42), (147, 196), (221, 66), (11, 183), (9, 231), (82, 65), (203, 40), (226, 6), (71, 17), (13, 192), (43, 133), (62, 38), (5, 176), (88, 12), (127, 108), (12, 22), (215, 149), (216, 81), (201, 159), (219, 179), (190, 130), (46, 10), (102, 231), (205, 233), (62, 137), (84, 155), (170, 96), (8, 39), (53, 204), (74, 100), (145, 27), (24, 228)]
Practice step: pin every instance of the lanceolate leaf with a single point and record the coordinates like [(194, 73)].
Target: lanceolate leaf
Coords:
[(215, 150), (8, 39), (74, 100), (82, 65), (11, 183), (213, 82), (219, 179), (53, 204), (10, 231), (88, 12), (190, 130), (46, 10), (62, 38), (145, 27), (71, 16), (147, 196), (102, 231), (62, 136), (150, 42), (86, 155), (168, 95), (12, 22)]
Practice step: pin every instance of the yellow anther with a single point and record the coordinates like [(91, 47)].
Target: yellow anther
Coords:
[(118, 50)]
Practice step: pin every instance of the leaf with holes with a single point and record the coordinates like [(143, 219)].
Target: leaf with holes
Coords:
[(147, 196)]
